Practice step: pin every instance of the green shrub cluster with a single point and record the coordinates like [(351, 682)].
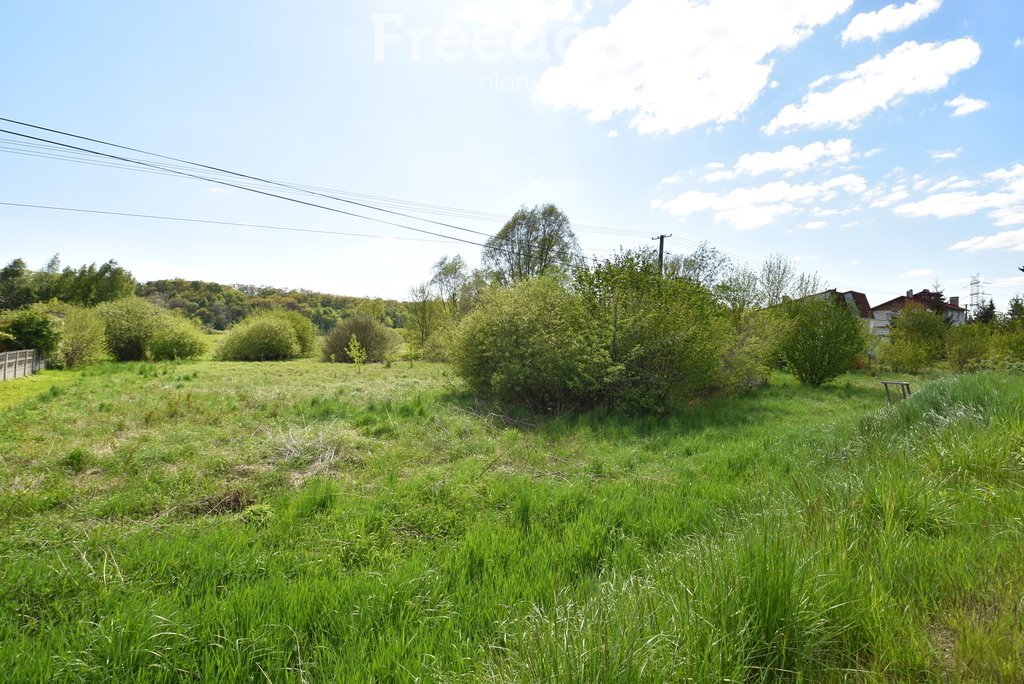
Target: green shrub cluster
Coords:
[(822, 339), (377, 340), (29, 328), (261, 337), (82, 339), (176, 337), (534, 343), (667, 339), (616, 334), (129, 324), (275, 335), (135, 329), (306, 335)]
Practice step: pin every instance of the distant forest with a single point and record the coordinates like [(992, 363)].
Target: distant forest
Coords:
[(214, 305)]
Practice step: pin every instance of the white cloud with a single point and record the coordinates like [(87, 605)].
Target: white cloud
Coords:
[(945, 155), (1017, 43), (677, 65), (917, 273), (716, 176), (1010, 240), (748, 208), (889, 19), (670, 180), (898, 194), (963, 105), (952, 183), (880, 83), (613, 133), (872, 152), (790, 160), (814, 225), (850, 182), (1004, 203)]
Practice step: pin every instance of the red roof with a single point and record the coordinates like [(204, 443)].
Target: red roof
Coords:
[(919, 298)]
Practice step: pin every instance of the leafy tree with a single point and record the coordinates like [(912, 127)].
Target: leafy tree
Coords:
[(15, 290), (355, 351), (89, 285), (739, 292), (533, 242), (779, 280), (934, 300), (705, 266), (1015, 310), (449, 278), (986, 313), (822, 340), (217, 307), (374, 309), (425, 314), (473, 289)]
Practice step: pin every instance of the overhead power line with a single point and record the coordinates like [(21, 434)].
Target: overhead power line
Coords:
[(319, 231), (249, 189), (335, 195)]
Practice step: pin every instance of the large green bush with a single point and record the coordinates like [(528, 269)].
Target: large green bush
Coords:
[(666, 338), (377, 340), (534, 343), (83, 338), (967, 343), (923, 329), (261, 337), (32, 327), (175, 338), (822, 340), (903, 356), (618, 335), (129, 325), (1010, 344), (305, 332)]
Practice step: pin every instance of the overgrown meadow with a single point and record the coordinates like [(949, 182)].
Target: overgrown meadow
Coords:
[(301, 522)]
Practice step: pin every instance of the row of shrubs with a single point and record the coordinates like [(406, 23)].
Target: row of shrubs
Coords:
[(134, 329), (282, 335), (128, 329), (921, 339), (620, 335)]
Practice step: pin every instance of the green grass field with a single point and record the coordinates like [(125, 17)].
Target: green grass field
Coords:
[(302, 522)]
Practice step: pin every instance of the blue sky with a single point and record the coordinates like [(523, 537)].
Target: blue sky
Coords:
[(877, 144)]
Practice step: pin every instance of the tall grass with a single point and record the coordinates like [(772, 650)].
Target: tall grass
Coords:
[(237, 522)]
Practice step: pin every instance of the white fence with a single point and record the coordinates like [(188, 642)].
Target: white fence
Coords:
[(18, 364)]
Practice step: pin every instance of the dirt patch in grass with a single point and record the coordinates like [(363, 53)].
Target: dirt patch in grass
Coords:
[(233, 501)]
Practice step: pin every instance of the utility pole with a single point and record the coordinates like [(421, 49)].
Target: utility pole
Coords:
[(661, 253)]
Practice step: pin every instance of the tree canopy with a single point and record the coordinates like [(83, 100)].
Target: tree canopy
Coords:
[(533, 242)]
